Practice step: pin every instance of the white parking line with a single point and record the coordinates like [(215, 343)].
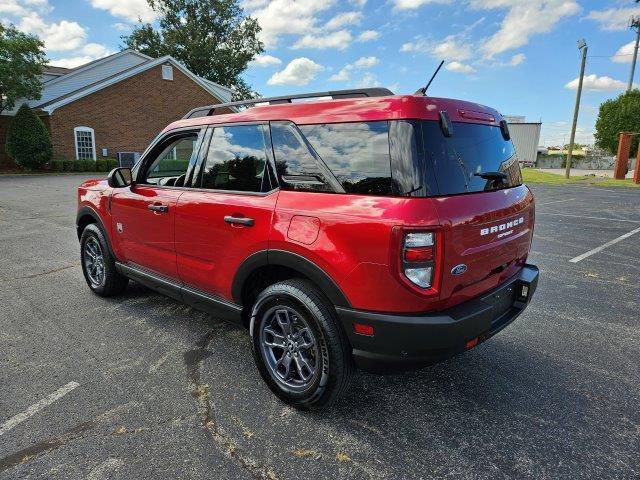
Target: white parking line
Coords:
[(36, 407), (588, 217), (554, 201), (602, 247)]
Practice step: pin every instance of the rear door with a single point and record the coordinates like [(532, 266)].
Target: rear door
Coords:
[(229, 214), (487, 220), (143, 215)]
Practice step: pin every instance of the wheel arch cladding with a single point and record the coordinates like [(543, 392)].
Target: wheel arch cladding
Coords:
[(86, 216), (293, 262)]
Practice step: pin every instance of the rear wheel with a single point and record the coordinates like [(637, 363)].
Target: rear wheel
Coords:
[(298, 345), (98, 265)]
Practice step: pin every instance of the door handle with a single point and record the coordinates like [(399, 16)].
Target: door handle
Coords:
[(247, 222), (158, 208)]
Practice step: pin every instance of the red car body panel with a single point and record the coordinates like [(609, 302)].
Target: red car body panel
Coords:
[(209, 250), (147, 238), (354, 239)]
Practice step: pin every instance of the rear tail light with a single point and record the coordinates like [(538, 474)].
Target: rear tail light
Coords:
[(418, 256)]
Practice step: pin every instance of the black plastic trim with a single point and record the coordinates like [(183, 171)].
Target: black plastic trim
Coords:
[(85, 210), (404, 342), (295, 262), (214, 306)]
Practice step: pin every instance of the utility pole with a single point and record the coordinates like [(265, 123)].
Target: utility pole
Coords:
[(634, 24), (582, 45)]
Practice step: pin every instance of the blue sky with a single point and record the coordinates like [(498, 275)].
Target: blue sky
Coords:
[(519, 56)]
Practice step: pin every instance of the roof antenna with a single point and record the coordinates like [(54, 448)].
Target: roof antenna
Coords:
[(423, 91)]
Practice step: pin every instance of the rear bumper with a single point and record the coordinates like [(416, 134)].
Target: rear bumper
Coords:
[(403, 342)]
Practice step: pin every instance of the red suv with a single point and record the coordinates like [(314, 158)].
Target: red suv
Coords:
[(358, 229)]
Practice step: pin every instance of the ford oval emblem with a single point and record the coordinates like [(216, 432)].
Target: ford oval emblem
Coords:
[(459, 269)]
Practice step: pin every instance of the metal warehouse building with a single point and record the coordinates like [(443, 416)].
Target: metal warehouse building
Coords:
[(525, 137)]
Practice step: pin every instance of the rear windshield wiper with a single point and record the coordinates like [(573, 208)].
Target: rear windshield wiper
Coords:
[(492, 175)]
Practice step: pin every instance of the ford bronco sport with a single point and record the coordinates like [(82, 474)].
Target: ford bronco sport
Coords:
[(359, 229)]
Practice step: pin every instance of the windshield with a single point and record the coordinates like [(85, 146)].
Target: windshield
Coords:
[(474, 158)]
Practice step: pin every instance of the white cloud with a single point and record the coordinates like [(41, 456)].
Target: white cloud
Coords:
[(253, 4), (413, 4), (368, 35), (524, 19), (596, 83), (366, 62), (265, 61), (342, 19), (88, 53), (343, 75), (121, 27), (19, 8), (299, 72), (459, 67), (369, 80), (12, 7), (287, 17), (61, 36), (624, 53), (613, 18), (340, 40), (359, 3), (517, 59), (129, 9), (451, 48), (362, 63)]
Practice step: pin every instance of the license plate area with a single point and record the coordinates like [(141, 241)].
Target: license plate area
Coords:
[(502, 300)]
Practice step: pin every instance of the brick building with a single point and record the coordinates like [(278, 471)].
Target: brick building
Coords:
[(115, 104)]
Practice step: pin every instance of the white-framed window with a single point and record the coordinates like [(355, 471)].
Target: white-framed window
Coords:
[(167, 72), (85, 143)]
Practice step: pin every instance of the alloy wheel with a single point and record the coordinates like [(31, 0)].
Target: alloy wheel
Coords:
[(94, 262), (289, 347)]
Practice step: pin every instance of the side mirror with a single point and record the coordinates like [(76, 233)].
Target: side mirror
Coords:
[(120, 177)]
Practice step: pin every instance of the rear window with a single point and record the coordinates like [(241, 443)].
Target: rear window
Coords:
[(459, 161)]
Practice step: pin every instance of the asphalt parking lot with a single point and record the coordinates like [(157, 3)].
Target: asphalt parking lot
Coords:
[(141, 386)]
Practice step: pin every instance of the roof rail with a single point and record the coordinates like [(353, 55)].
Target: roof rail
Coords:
[(335, 94)]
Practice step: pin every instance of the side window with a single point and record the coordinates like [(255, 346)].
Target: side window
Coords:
[(296, 166), (236, 159), (356, 153), (170, 166)]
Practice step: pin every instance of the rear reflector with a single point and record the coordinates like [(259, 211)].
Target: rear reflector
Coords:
[(418, 254), (471, 343), (362, 329)]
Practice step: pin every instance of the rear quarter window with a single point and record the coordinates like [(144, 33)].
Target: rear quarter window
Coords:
[(357, 154)]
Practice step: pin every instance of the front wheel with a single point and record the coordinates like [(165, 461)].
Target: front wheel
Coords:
[(298, 345), (98, 265)]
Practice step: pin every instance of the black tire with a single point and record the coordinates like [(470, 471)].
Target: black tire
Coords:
[(111, 282), (305, 307)]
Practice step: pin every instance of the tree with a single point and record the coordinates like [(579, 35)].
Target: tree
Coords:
[(621, 114), (28, 140), (212, 38), (21, 62)]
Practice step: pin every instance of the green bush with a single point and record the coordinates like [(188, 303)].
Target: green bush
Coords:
[(106, 164), (85, 166), (172, 166), (67, 165), (57, 165), (28, 141)]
